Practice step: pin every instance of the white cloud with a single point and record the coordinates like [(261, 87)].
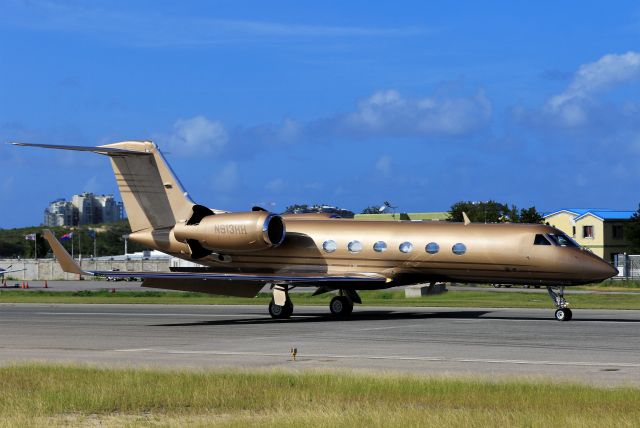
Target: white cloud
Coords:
[(572, 107), (197, 135), (158, 29), (388, 113), (226, 179), (608, 71), (289, 131), (276, 185), (91, 185), (384, 165)]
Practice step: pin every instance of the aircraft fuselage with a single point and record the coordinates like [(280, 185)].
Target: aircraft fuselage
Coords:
[(411, 252)]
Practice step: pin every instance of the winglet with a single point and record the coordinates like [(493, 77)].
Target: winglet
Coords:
[(466, 218), (65, 260)]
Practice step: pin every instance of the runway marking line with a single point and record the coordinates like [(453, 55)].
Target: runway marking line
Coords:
[(388, 357), (390, 327), (159, 314)]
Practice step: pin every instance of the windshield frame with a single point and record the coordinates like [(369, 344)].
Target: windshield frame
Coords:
[(561, 239)]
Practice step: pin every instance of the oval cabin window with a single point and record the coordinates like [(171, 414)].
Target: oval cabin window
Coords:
[(459, 249), (432, 248), (355, 246), (406, 247), (380, 246), (329, 246)]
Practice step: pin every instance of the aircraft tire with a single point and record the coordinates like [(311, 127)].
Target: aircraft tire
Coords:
[(280, 312), (340, 306), (564, 314)]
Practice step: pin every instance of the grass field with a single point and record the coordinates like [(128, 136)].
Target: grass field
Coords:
[(483, 299), (38, 395)]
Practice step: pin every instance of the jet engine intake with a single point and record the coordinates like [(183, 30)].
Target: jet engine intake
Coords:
[(233, 232)]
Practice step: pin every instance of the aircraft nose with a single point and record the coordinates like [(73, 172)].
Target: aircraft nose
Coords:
[(612, 271), (599, 270)]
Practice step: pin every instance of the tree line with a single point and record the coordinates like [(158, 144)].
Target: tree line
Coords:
[(13, 242), (494, 212)]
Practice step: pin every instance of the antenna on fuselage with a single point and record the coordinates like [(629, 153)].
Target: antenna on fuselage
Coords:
[(386, 207), (465, 217)]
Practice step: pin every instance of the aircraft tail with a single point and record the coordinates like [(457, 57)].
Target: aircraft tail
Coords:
[(152, 195)]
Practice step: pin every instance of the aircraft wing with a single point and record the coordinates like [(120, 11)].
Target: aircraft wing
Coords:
[(8, 270), (235, 284)]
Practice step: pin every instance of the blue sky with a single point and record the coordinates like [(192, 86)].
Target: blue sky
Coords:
[(345, 103)]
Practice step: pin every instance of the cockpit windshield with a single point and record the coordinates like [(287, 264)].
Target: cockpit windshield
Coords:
[(562, 240), (541, 240)]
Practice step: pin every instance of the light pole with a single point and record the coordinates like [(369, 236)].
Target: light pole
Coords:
[(125, 237)]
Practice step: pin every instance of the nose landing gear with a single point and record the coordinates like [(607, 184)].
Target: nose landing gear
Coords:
[(280, 306), (563, 313)]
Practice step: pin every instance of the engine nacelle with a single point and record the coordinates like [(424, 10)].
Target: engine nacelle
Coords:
[(232, 232)]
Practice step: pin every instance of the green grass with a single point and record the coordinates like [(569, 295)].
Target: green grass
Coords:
[(462, 299), (614, 286), (39, 395)]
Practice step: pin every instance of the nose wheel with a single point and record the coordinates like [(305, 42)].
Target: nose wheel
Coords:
[(563, 313), (280, 306), (280, 312)]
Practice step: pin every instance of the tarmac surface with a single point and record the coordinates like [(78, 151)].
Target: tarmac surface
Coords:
[(100, 285), (599, 347)]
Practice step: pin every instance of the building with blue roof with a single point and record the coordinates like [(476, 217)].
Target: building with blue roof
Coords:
[(600, 230)]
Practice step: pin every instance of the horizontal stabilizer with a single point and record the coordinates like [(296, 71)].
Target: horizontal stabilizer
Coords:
[(110, 151), (9, 270), (66, 261)]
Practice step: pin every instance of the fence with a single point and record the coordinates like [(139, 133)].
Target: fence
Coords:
[(628, 266), (49, 269)]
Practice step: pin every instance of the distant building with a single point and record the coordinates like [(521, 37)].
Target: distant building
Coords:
[(306, 209), (432, 216), (60, 213), (85, 208), (600, 230)]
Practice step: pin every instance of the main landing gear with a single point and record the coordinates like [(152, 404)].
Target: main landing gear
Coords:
[(563, 313), (340, 306)]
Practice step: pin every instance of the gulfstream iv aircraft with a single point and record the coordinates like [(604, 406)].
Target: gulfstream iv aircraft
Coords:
[(243, 251)]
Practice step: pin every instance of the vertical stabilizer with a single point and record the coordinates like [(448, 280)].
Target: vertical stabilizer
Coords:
[(152, 195)]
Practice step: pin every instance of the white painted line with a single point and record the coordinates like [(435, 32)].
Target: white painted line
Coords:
[(387, 357), (134, 350), (159, 314), (389, 328)]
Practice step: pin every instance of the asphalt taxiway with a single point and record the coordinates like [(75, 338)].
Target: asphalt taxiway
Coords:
[(599, 346)]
